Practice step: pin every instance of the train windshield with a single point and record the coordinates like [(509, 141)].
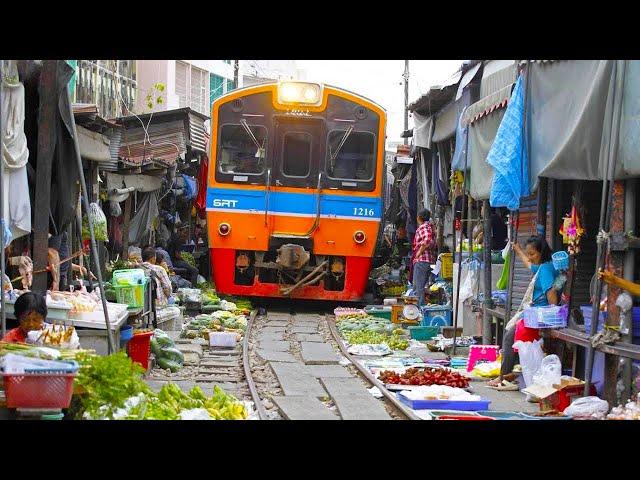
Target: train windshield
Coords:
[(242, 149), (354, 159), (296, 154)]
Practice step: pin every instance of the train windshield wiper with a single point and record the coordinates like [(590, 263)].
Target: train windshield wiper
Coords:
[(334, 155), (260, 152)]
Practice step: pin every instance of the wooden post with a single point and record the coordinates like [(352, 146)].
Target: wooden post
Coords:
[(615, 266), (125, 227), (541, 216), (47, 126), (487, 337)]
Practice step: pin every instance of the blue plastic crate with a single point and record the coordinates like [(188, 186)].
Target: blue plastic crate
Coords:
[(436, 316), (444, 404), (544, 317), (560, 260)]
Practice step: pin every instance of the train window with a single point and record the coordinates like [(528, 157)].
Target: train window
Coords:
[(242, 149), (350, 155), (296, 154)]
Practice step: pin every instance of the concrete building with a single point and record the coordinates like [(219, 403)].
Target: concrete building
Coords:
[(255, 72), (188, 83)]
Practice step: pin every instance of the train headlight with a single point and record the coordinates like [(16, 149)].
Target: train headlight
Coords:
[(359, 237), (299, 93), (224, 229)]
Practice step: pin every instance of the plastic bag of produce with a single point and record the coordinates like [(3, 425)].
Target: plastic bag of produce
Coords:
[(167, 364), (99, 221), (531, 356), (487, 369), (195, 414), (549, 372), (172, 354), (592, 407)]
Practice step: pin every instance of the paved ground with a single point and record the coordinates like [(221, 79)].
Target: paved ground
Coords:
[(299, 373)]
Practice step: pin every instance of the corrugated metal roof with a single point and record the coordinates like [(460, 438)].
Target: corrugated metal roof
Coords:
[(434, 100), (114, 147), (197, 133)]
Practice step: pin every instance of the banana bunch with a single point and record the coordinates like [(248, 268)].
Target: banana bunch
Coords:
[(56, 335)]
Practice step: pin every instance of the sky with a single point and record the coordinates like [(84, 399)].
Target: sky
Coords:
[(382, 82)]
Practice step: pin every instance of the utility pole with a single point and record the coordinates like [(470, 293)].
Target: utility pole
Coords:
[(236, 70), (406, 99)]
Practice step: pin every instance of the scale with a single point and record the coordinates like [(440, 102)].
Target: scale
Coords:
[(406, 311)]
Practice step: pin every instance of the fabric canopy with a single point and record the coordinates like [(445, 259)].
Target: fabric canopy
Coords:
[(422, 130), (569, 114), (481, 136), (629, 148)]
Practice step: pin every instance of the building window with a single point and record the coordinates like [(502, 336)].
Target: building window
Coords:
[(230, 85), (228, 62), (192, 87), (216, 87)]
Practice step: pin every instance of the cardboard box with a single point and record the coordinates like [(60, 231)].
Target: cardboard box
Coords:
[(558, 397)]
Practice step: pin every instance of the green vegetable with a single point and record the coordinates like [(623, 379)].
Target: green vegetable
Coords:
[(173, 354), (166, 363), (109, 381), (188, 257), (155, 347)]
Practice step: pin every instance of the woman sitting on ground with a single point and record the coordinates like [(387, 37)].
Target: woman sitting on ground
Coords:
[(537, 257)]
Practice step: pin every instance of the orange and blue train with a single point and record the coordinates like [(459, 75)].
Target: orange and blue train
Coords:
[(295, 191)]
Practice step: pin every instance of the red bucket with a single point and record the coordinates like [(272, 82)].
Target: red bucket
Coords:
[(139, 348)]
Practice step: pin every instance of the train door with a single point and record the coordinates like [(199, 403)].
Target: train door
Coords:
[(293, 195)]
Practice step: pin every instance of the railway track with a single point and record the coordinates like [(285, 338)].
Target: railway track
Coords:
[(296, 367), (291, 366)]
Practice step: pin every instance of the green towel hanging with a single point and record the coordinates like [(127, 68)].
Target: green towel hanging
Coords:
[(503, 281)]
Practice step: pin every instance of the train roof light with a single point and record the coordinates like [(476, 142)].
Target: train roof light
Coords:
[(299, 93)]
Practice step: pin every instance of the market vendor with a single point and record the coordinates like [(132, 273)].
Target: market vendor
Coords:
[(177, 241), (611, 279), (536, 257), (424, 250), (30, 310), (160, 274)]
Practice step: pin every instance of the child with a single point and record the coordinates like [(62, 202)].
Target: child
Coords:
[(30, 310)]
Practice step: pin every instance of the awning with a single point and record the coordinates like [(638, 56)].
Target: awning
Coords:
[(629, 149), (141, 183), (422, 130), (93, 145), (467, 78), (488, 104), (484, 117), (481, 136), (447, 120), (570, 102)]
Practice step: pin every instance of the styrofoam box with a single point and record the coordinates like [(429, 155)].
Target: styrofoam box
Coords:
[(222, 339)]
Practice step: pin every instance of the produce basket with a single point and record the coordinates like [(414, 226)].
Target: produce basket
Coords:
[(139, 348), (44, 389), (560, 260), (423, 333), (129, 286), (379, 311)]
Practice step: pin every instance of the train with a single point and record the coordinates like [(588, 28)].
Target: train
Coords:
[(295, 191)]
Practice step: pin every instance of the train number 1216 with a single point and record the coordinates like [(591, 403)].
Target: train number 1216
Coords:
[(363, 212)]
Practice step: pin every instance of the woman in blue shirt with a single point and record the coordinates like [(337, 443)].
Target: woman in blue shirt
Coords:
[(536, 257)]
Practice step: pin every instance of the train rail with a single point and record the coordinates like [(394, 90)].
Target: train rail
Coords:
[(285, 380)]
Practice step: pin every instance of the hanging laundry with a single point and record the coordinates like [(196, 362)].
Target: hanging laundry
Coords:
[(15, 155), (509, 157)]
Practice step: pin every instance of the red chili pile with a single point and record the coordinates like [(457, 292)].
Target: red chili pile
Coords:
[(425, 376)]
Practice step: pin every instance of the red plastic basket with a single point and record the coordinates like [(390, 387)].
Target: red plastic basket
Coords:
[(139, 348), (38, 390)]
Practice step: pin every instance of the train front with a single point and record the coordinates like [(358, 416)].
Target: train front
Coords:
[(294, 203)]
